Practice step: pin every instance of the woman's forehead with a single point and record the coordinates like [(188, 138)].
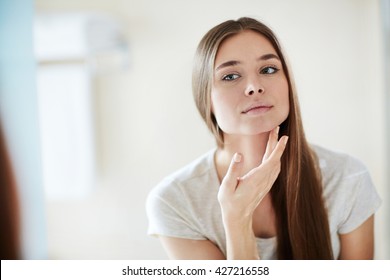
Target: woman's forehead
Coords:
[(243, 45)]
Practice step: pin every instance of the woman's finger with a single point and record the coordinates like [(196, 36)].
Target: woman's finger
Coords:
[(267, 172), (279, 149), (271, 144), (230, 180)]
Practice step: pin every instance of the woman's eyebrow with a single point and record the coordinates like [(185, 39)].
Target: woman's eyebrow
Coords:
[(227, 64), (236, 62), (269, 56)]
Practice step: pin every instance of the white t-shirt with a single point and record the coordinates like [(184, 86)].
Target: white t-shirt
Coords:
[(185, 204)]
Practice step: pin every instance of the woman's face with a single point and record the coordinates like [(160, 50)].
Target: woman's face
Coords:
[(250, 91)]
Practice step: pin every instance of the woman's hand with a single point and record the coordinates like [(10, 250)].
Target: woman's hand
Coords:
[(239, 196)]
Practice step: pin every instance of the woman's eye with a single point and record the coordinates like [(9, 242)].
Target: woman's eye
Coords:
[(269, 70), (230, 77)]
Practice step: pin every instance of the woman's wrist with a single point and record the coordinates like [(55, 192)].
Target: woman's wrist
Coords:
[(240, 238), (234, 220)]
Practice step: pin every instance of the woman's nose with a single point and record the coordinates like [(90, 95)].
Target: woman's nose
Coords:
[(251, 90)]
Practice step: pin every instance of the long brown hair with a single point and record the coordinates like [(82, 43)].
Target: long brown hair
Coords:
[(302, 221)]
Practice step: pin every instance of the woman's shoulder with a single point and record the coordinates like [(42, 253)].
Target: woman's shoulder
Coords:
[(348, 189), (180, 205), (191, 175), (338, 164), (343, 176)]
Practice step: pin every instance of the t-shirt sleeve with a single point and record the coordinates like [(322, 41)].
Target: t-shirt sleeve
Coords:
[(362, 201), (169, 214)]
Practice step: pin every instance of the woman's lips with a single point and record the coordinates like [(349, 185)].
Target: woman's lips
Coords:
[(257, 109)]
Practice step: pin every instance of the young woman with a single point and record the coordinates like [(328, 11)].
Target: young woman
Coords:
[(264, 192)]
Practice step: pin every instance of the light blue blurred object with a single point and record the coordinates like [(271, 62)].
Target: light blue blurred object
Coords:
[(19, 119)]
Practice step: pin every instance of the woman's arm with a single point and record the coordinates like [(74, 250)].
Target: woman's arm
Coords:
[(358, 244), (240, 196), (240, 238), (188, 249)]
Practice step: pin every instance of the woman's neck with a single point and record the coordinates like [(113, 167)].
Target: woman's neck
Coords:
[(251, 147)]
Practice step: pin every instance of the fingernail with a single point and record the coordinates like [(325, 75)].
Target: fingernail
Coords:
[(285, 139), (277, 130), (237, 157)]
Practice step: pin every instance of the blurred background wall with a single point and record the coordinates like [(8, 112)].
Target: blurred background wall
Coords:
[(137, 120)]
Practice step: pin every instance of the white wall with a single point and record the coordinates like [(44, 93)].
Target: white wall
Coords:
[(148, 126)]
